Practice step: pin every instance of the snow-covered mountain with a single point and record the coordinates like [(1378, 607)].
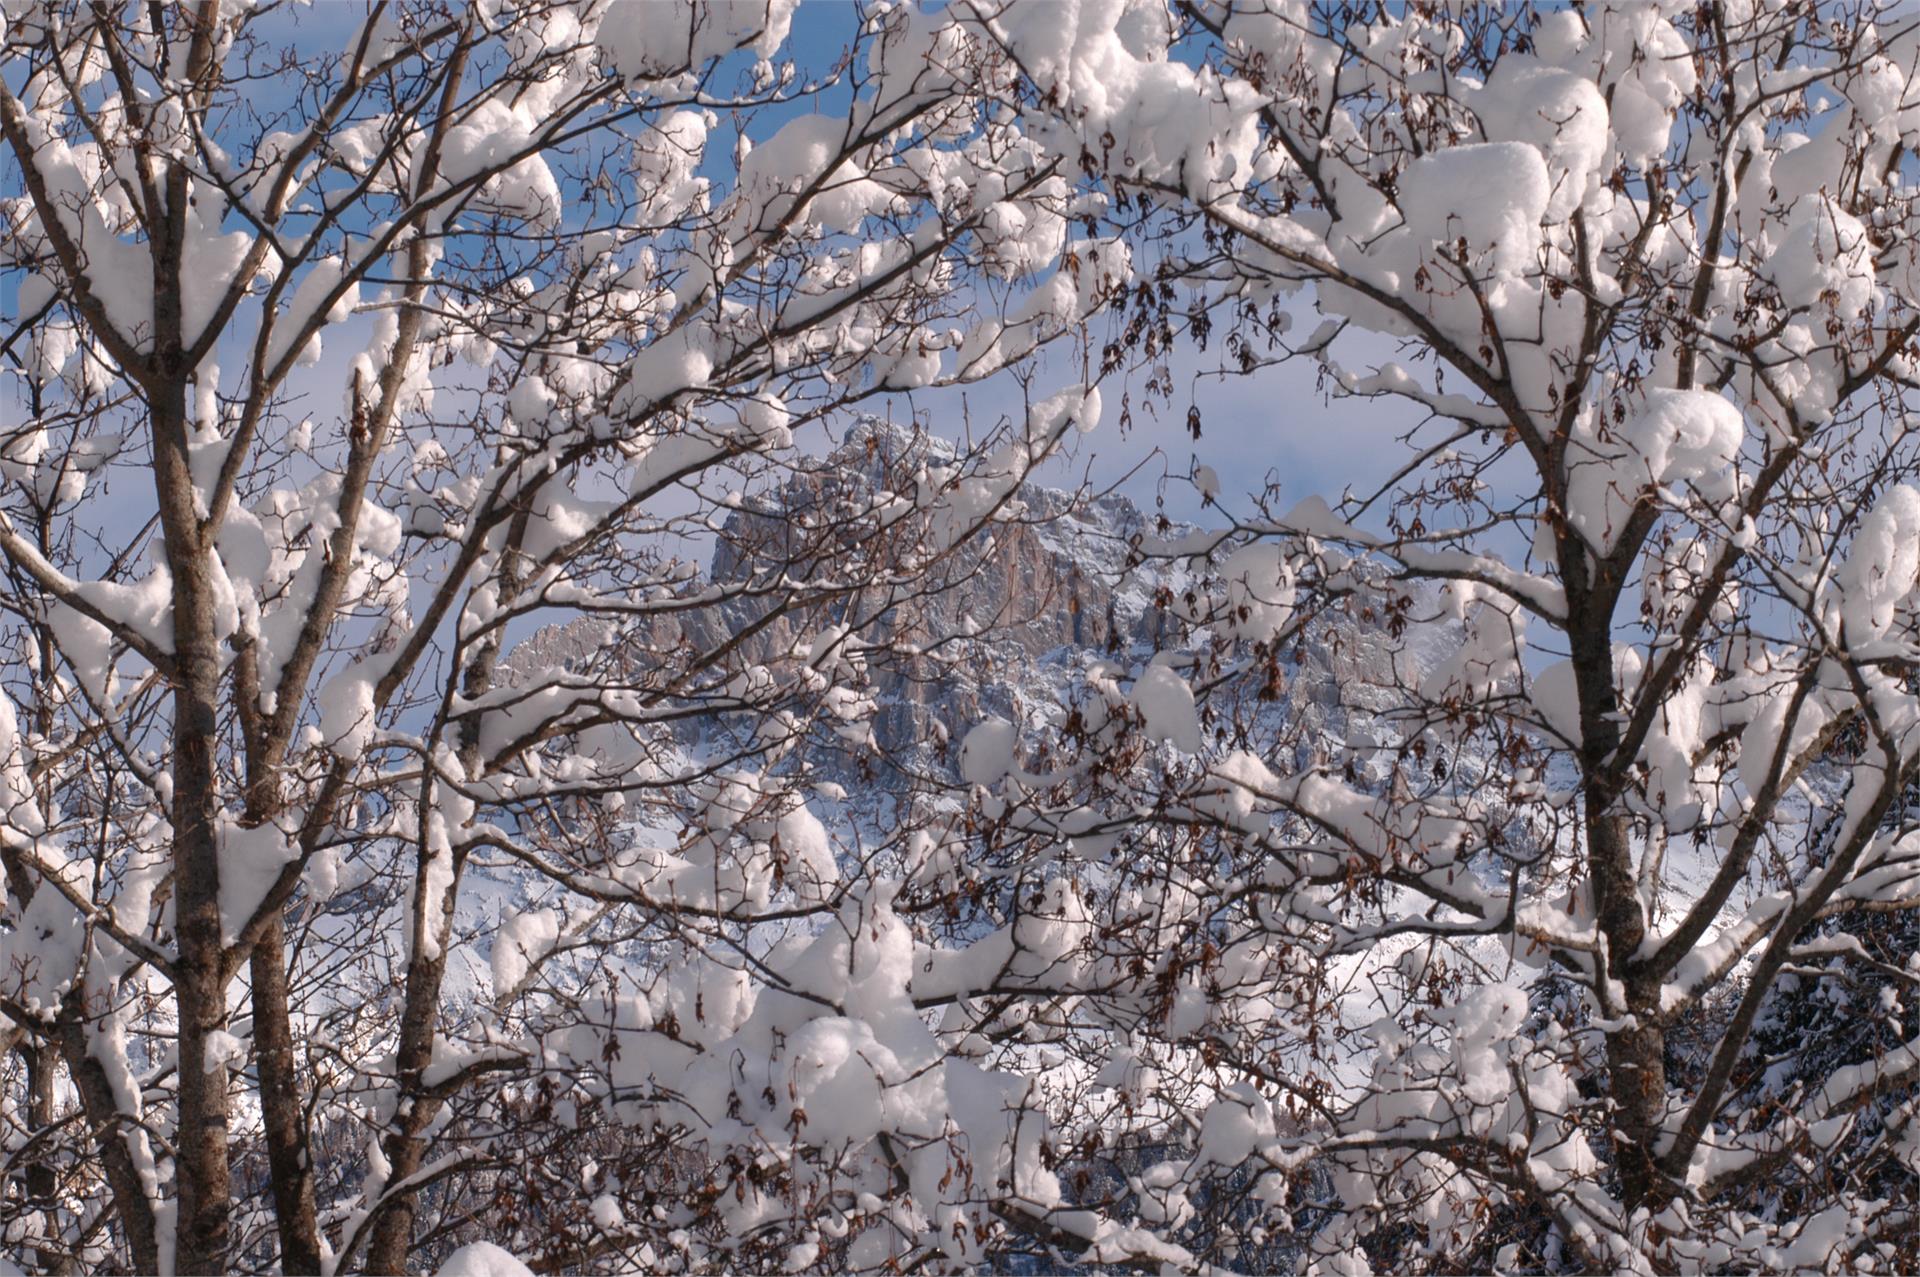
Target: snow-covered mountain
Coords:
[(1060, 582)]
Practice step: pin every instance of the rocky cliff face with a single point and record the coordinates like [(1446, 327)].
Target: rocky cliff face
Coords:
[(1012, 618)]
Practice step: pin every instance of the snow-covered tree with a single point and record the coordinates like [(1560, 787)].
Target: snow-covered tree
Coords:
[(1512, 867), (1506, 965), (342, 354)]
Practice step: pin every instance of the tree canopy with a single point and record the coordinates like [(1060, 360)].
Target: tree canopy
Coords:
[(1565, 923)]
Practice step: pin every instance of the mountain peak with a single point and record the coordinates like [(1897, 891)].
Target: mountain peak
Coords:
[(891, 443)]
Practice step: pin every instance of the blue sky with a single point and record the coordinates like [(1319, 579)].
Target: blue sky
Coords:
[(1274, 426)]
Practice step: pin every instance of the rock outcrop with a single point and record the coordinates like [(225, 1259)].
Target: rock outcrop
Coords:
[(1000, 627)]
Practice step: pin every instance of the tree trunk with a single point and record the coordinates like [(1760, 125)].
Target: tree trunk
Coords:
[(1636, 1053), (288, 1157), (201, 975), (393, 1234), (1637, 1084), (282, 1112), (201, 1142), (43, 1061), (102, 1108), (403, 1146)]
